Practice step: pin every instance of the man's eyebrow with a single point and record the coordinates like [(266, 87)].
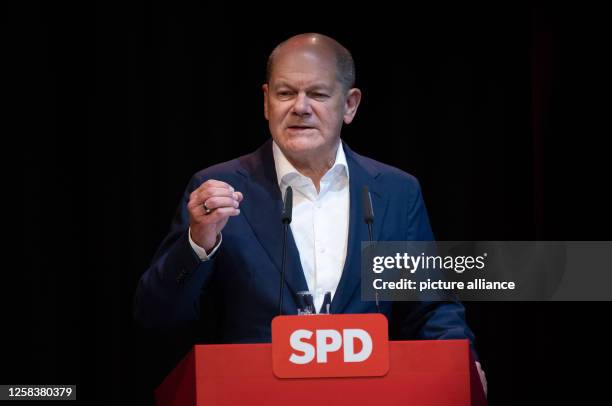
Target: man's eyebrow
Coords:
[(314, 86), (319, 86), (280, 84)]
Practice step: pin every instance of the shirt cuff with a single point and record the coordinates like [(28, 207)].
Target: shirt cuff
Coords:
[(201, 252)]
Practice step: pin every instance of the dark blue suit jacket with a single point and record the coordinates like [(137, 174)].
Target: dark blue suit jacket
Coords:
[(235, 294)]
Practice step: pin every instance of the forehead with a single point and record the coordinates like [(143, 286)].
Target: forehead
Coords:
[(304, 67)]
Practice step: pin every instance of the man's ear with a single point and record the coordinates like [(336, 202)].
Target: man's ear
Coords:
[(350, 106), (264, 87)]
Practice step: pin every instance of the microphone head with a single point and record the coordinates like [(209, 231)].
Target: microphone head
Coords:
[(368, 210), (287, 206)]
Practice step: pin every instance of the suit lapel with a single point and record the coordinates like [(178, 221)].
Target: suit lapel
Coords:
[(262, 208), (361, 174)]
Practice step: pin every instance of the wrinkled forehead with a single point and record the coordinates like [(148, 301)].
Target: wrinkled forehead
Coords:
[(304, 64)]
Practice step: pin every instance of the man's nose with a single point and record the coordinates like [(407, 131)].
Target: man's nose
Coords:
[(301, 106)]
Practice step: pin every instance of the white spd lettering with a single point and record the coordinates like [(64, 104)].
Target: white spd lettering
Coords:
[(328, 341)]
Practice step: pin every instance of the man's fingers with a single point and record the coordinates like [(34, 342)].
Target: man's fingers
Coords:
[(199, 196), (205, 193), (214, 201), (213, 184), (217, 202), (220, 214)]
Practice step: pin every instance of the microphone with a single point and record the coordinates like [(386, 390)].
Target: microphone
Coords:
[(285, 220), (287, 206), (368, 218), (368, 211)]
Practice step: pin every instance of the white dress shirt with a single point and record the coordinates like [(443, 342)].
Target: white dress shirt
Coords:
[(320, 221), (319, 225)]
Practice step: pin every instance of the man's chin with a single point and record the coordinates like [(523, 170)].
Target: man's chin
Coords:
[(302, 140), (303, 144)]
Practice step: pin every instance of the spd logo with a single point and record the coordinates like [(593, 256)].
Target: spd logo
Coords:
[(330, 346)]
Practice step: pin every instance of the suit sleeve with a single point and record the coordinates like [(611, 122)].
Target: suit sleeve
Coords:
[(428, 320), (168, 293)]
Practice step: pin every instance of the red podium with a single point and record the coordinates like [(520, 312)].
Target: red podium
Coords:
[(425, 373)]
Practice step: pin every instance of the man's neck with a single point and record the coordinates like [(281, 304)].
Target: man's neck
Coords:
[(315, 167)]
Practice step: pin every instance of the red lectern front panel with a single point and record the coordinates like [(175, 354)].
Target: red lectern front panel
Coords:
[(426, 373)]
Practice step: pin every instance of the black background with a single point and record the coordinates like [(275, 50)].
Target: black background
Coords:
[(501, 112)]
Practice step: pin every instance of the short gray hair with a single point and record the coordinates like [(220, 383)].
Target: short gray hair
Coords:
[(345, 65)]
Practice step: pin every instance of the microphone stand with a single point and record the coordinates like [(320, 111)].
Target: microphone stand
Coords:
[(286, 220), (368, 218)]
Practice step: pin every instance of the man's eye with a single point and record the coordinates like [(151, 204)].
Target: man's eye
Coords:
[(318, 95), (284, 93)]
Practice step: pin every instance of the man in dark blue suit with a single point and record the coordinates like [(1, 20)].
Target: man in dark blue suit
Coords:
[(220, 264)]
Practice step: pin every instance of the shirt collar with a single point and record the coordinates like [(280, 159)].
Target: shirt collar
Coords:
[(286, 172)]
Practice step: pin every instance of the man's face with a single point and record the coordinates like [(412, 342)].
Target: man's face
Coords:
[(305, 104)]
